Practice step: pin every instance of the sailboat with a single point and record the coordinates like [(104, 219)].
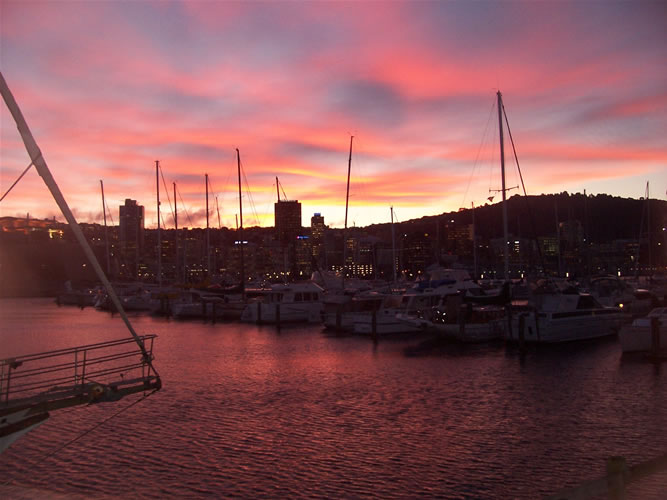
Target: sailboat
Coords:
[(466, 313), (33, 385), (233, 304), (558, 312)]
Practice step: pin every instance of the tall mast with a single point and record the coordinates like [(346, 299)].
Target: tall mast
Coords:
[(178, 273), (474, 243), (208, 235), (159, 235), (277, 188), (106, 231), (648, 231), (557, 235), (42, 168), (240, 235), (504, 190), (347, 199), (393, 245)]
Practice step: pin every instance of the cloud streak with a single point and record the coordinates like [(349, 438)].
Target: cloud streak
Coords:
[(109, 88)]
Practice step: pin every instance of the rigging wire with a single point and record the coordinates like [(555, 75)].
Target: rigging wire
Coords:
[(525, 195), (516, 158), (217, 207), (280, 185), (88, 431), (20, 177), (185, 209), (479, 149), (109, 214), (249, 195), (166, 190)]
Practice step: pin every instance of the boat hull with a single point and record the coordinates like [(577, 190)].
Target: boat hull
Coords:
[(273, 313), (565, 327), (471, 332), (15, 425)]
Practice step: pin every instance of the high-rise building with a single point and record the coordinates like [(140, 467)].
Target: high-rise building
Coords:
[(317, 235), (131, 236), (287, 221), (131, 225)]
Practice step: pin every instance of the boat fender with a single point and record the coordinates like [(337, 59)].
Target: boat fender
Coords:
[(96, 391)]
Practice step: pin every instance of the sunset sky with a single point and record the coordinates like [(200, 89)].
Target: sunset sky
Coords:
[(108, 87)]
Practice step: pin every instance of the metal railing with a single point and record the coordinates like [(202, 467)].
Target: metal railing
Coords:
[(85, 370)]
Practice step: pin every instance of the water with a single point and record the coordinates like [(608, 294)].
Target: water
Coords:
[(251, 411)]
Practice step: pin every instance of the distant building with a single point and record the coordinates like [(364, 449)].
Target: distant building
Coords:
[(317, 228), (131, 236), (287, 221), (131, 217)]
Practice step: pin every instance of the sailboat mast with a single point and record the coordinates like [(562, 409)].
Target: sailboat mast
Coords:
[(238, 164), (504, 190), (106, 231), (178, 274), (557, 236), (208, 235), (648, 231), (159, 235), (393, 245), (42, 168), (474, 244), (347, 199)]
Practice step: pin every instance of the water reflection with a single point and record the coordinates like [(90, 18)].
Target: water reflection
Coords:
[(251, 411)]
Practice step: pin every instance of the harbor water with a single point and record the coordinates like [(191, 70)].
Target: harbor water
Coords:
[(258, 412)]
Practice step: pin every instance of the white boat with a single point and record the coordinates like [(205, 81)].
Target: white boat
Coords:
[(282, 303), (470, 323), (407, 313), (611, 291), (341, 316), (638, 336), (199, 304), (33, 385), (564, 316)]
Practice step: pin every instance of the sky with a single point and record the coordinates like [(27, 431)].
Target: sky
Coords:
[(109, 87)]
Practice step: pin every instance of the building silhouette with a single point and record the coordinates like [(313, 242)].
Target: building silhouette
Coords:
[(131, 236), (317, 228), (287, 220)]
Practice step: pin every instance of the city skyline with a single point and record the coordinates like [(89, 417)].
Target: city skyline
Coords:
[(108, 88)]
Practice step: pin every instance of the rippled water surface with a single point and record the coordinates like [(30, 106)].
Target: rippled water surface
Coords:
[(251, 411)]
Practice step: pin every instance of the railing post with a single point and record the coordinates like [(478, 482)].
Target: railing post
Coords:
[(83, 369)]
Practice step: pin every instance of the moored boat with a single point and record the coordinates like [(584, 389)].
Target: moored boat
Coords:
[(638, 336), (286, 303), (563, 316)]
